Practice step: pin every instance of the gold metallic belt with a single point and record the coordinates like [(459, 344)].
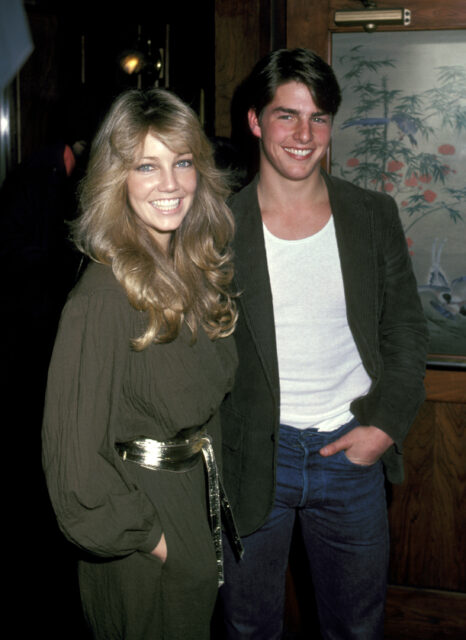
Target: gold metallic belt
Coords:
[(181, 454)]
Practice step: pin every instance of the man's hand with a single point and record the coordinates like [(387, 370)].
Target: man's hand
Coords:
[(362, 445)]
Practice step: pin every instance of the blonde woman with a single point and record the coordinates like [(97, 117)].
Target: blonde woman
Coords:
[(142, 360)]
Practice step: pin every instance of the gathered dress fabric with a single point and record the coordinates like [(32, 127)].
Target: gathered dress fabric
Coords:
[(101, 391)]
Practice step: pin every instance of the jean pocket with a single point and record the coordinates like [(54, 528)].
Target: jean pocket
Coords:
[(356, 465)]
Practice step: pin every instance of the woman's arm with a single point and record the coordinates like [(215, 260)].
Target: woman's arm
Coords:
[(97, 504)]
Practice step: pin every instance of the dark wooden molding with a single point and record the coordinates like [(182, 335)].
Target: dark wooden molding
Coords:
[(428, 614), (446, 386)]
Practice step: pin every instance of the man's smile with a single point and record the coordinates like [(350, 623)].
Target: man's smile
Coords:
[(301, 153)]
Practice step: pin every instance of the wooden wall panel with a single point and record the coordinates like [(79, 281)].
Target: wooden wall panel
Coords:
[(245, 30), (237, 48), (307, 25), (412, 614), (446, 386), (427, 512)]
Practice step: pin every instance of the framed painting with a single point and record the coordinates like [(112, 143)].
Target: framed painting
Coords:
[(401, 129)]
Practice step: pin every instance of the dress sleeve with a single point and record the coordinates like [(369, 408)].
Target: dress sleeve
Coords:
[(97, 504)]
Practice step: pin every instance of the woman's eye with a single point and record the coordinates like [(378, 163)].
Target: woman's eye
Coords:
[(144, 168), (184, 164)]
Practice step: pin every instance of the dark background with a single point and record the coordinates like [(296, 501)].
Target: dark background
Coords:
[(52, 93), (50, 102)]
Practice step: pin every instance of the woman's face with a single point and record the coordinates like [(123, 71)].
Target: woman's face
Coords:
[(161, 187)]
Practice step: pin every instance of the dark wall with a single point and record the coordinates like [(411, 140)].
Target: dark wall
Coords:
[(68, 35), (54, 103)]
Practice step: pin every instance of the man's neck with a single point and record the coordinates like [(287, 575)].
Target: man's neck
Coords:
[(293, 209)]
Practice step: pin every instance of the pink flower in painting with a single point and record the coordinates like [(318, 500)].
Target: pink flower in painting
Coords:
[(410, 243), (352, 162), (447, 149), (388, 186), (429, 196), (411, 181), (394, 165), (425, 178), (404, 203)]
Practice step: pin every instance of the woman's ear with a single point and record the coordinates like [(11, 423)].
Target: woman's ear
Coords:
[(254, 124)]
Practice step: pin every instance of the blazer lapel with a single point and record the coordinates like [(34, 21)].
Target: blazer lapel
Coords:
[(252, 280), (354, 227)]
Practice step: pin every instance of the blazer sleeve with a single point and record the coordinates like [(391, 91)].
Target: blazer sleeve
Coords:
[(98, 506), (402, 335)]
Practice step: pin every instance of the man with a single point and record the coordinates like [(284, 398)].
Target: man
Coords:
[(332, 344)]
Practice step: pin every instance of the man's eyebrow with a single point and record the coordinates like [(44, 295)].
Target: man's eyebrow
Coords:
[(293, 112), (296, 112)]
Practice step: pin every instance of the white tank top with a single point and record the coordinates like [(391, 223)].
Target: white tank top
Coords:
[(320, 369)]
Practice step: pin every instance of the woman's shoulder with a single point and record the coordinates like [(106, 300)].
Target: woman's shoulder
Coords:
[(98, 300), (98, 292), (98, 278)]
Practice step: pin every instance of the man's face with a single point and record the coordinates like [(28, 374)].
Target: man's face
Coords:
[(294, 133)]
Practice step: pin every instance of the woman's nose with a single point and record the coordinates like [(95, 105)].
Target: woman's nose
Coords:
[(168, 181)]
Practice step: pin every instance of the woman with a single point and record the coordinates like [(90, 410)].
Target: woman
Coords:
[(142, 360)]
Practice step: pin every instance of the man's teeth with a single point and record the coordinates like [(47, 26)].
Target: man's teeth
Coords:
[(167, 205), (298, 152)]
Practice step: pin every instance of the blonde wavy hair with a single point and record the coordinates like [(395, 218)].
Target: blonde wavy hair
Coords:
[(190, 283)]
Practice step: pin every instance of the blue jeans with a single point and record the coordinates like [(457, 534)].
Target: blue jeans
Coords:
[(342, 511)]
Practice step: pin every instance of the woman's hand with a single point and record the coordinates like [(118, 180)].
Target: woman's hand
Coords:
[(160, 550)]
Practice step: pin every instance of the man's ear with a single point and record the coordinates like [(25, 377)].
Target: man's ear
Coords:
[(254, 125)]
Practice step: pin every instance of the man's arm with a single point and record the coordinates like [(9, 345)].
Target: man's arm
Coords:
[(387, 412)]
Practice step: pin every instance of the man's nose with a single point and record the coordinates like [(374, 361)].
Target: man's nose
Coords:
[(303, 131)]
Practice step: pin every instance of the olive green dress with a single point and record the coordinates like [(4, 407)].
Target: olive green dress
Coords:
[(100, 391)]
